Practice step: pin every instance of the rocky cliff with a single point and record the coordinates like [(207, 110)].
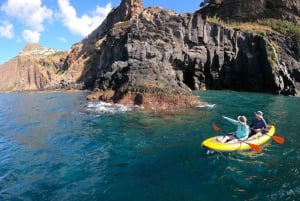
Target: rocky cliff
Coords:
[(154, 57), (37, 68), (251, 10), (161, 51)]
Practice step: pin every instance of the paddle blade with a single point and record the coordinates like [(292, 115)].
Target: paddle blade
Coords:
[(215, 127), (278, 139), (254, 147)]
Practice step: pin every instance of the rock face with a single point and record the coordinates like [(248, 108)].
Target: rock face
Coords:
[(252, 10), (158, 51), (37, 68), (154, 57)]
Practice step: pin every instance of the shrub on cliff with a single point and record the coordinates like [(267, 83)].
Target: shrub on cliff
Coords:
[(284, 27)]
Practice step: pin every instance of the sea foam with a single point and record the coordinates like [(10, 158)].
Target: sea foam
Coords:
[(106, 108)]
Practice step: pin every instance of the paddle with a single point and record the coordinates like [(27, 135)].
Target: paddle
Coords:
[(278, 139), (252, 146)]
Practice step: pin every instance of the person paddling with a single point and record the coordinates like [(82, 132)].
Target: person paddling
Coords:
[(258, 126), (241, 132)]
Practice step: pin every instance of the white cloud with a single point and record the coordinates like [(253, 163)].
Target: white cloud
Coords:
[(62, 39), (6, 30), (31, 36), (29, 12), (85, 24)]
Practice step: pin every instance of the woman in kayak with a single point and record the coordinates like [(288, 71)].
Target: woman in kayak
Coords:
[(241, 133)]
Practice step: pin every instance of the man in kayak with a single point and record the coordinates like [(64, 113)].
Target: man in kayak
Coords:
[(241, 132), (258, 126)]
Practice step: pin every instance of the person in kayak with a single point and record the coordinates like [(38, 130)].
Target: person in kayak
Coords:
[(241, 133), (258, 126)]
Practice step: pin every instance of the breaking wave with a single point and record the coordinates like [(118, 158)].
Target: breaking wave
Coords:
[(101, 107), (206, 105)]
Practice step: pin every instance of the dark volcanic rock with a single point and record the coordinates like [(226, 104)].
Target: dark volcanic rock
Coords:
[(252, 10), (158, 50)]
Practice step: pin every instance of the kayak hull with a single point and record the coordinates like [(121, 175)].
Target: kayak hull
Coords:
[(212, 143)]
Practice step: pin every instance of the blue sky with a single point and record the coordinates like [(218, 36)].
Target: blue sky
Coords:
[(61, 23)]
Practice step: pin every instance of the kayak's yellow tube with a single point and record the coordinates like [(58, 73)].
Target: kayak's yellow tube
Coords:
[(212, 142)]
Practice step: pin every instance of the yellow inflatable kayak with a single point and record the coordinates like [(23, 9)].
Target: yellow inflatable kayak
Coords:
[(212, 142)]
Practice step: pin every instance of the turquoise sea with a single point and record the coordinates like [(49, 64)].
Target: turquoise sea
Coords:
[(57, 146)]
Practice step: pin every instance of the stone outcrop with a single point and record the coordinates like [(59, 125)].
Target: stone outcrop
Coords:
[(251, 10), (154, 57), (32, 49), (37, 68), (159, 50)]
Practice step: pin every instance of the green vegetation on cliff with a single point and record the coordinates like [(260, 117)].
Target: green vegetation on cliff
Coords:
[(284, 27), (262, 25)]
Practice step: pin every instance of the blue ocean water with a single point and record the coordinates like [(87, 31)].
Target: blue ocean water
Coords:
[(58, 146)]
